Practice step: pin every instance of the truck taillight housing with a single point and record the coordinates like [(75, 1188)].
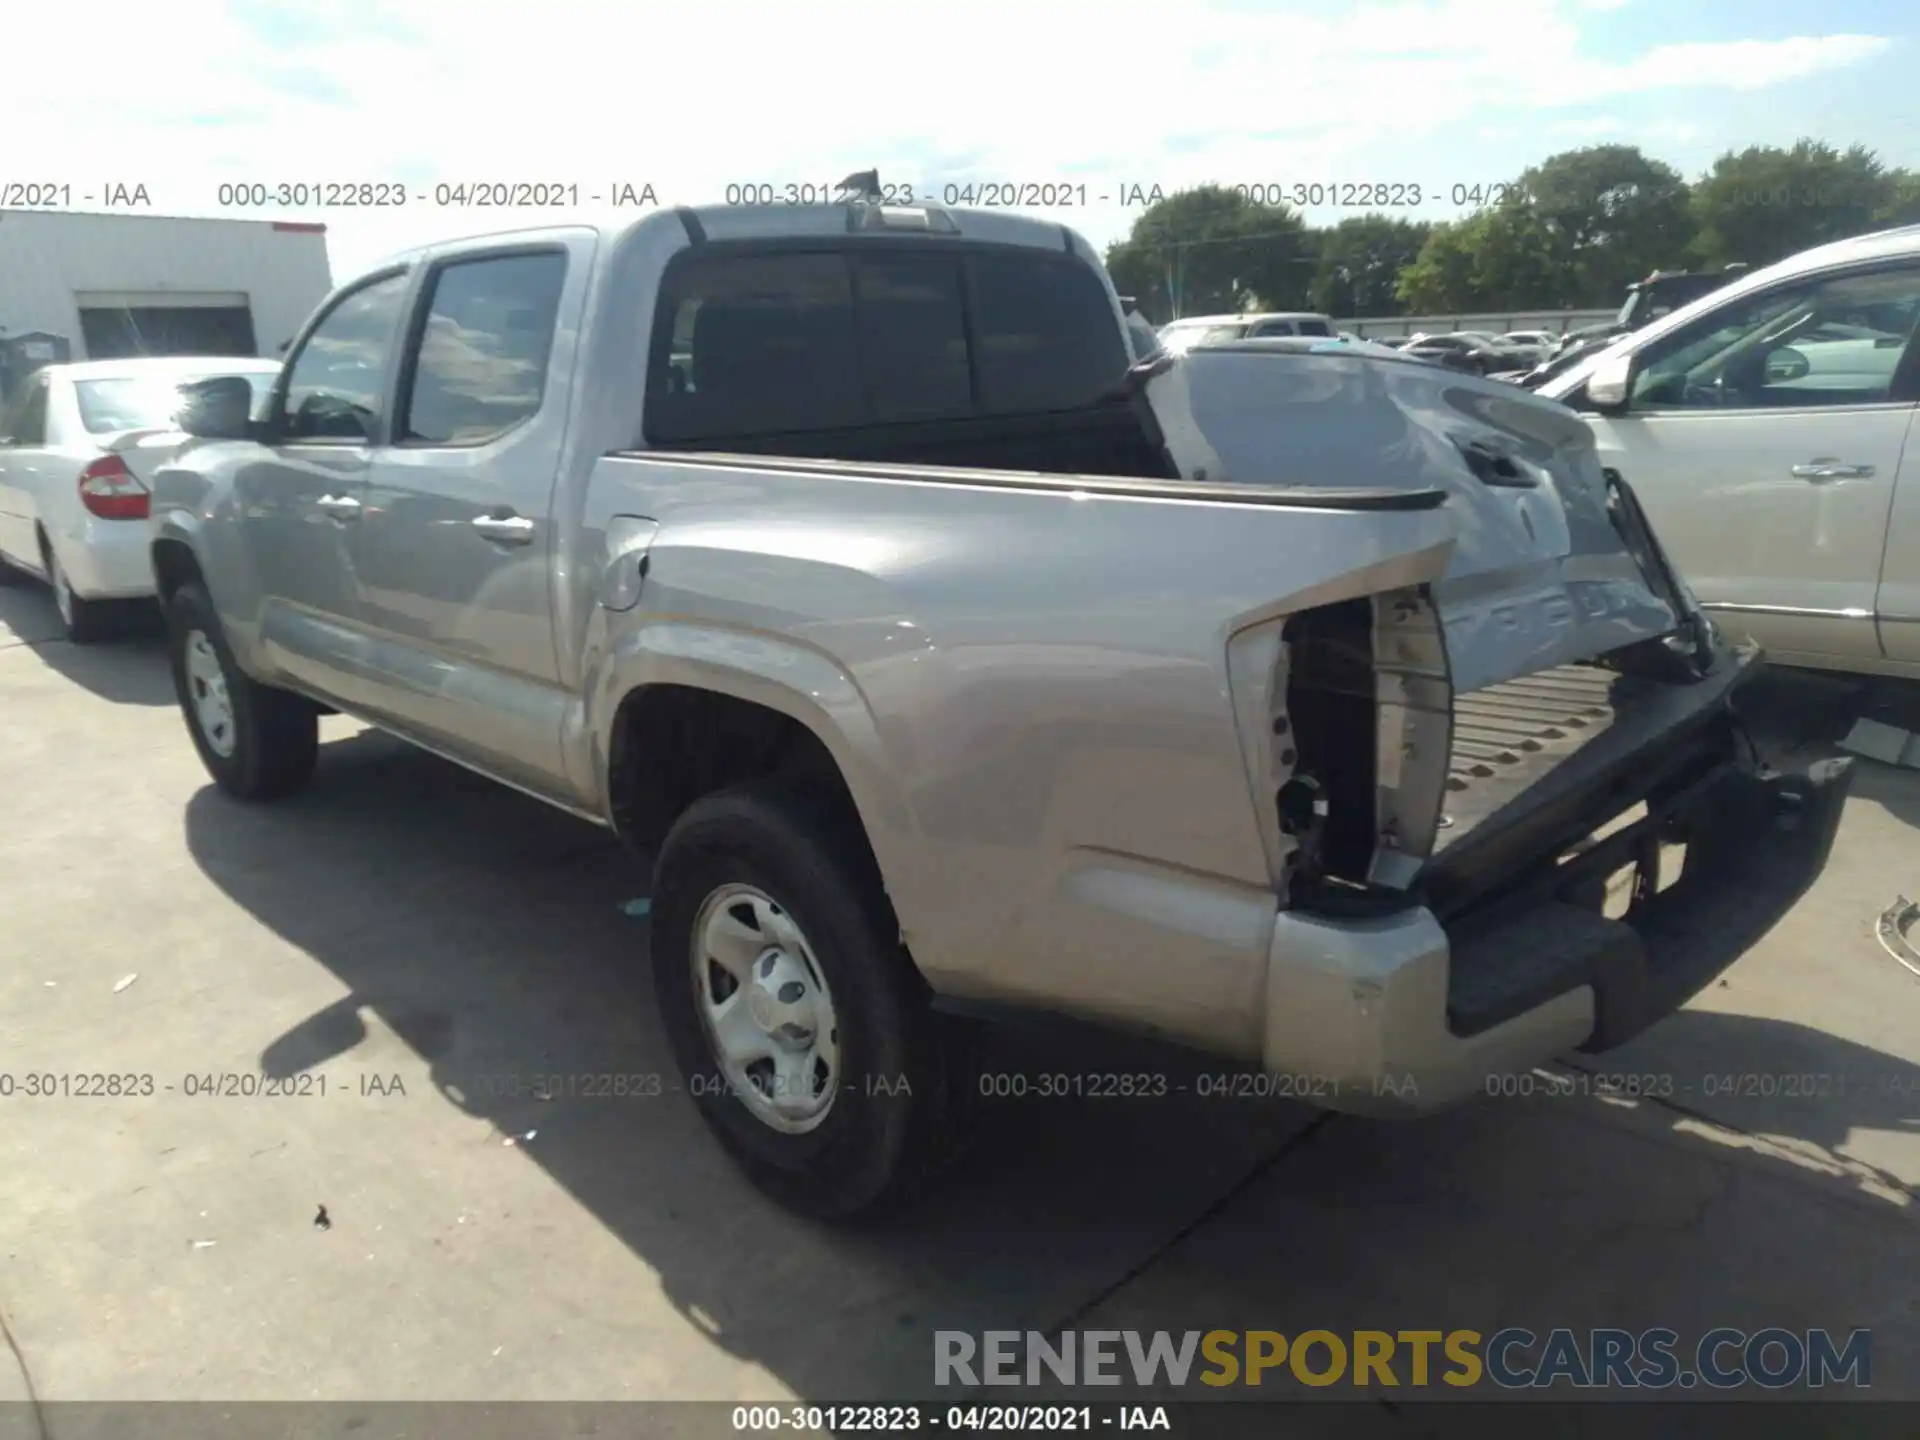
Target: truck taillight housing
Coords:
[(109, 490), (1345, 713)]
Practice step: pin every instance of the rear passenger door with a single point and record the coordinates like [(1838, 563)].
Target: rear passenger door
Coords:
[(455, 553)]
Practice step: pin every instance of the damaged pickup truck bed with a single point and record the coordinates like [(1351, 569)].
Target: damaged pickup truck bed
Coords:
[(1312, 706)]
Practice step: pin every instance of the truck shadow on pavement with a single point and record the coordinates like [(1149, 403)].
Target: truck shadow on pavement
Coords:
[(488, 933)]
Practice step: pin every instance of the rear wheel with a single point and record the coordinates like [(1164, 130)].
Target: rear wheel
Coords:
[(257, 742), (795, 1015), (84, 620)]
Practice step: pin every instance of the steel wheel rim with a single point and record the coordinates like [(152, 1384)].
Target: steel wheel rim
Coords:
[(62, 590), (207, 690), (765, 1009)]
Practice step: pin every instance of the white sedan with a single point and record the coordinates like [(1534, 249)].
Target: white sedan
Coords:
[(78, 447)]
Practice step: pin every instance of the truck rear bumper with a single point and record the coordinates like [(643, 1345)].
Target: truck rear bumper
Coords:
[(1400, 1014)]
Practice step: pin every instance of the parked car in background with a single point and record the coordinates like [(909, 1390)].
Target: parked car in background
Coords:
[(1182, 335), (1769, 428), (1522, 354), (1472, 353), (1542, 339), (78, 449), (822, 586)]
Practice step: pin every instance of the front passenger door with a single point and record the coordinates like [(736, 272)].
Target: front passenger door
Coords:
[(303, 492), (1766, 440)]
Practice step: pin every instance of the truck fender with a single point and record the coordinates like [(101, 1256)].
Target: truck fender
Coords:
[(783, 675)]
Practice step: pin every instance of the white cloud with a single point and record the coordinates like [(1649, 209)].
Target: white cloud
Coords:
[(692, 96)]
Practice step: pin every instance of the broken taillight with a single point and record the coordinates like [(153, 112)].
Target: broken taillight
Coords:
[(1345, 713)]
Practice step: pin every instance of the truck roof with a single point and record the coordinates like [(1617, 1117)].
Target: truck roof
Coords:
[(770, 222)]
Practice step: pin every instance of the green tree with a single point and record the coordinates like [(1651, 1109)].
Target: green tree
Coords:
[(1765, 203), (1441, 277), (1505, 257), (1611, 215), (1360, 263), (1902, 203), (1212, 250)]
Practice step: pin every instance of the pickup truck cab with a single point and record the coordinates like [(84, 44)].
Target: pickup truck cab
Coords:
[(1770, 430), (944, 660)]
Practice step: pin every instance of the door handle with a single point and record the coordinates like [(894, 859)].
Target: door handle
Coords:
[(505, 529), (1827, 468), (338, 507)]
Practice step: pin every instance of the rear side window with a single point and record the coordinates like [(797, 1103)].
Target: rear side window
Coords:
[(1315, 327), (1043, 334), (480, 366), (766, 344)]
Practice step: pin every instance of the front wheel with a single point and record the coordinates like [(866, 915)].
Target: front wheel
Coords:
[(798, 1022), (257, 742)]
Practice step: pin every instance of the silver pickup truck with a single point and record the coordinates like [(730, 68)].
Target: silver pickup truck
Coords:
[(1314, 707)]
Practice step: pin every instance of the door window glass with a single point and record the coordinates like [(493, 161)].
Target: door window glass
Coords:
[(334, 388), (481, 364), (1823, 342)]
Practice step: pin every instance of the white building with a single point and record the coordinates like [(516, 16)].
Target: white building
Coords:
[(77, 286)]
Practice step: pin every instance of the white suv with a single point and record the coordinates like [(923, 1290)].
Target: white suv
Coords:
[(1769, 430)]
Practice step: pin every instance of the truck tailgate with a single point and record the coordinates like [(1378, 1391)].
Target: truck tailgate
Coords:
[(1540, 576)]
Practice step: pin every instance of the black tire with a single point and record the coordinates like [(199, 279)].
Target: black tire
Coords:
[(275, 734), (84, 621), (902, 1073)]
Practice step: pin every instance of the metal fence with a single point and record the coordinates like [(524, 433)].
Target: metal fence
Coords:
[(1557, 322)]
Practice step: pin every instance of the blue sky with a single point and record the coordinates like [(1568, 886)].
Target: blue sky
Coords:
[(693, 96)]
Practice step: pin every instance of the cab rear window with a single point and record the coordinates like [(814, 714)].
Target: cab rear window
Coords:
[(752, 343)]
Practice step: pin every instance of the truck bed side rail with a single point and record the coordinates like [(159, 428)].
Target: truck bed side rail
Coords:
[(1297, 497)]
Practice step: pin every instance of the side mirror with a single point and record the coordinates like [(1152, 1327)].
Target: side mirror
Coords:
[(1786, 365), (217, 409), (1612, 379)]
